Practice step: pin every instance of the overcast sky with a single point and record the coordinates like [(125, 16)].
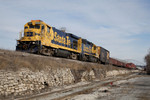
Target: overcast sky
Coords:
[(121, 26)]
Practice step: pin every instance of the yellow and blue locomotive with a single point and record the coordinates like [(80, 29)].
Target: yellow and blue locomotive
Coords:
[(41, 38)]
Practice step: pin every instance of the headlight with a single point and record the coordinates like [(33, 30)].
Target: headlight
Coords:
[(33, 42)]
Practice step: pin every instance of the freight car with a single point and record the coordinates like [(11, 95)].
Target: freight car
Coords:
[(130, 66), (116, 62), (41, 38)]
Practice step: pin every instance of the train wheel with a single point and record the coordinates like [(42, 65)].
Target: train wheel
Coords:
[(85, 58), (74, 56), (47, 51)]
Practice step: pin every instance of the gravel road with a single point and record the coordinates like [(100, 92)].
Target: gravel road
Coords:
[(132, 89), (135, 89), (104, 89)]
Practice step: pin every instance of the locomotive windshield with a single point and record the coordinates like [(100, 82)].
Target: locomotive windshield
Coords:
[(29, 29), (36, 26)]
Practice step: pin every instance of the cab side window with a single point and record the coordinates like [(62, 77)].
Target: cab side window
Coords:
[(42, 27), (48, 29), (26, 27)]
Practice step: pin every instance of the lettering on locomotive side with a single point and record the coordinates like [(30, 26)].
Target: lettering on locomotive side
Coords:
[(61, 39), (87, 49)]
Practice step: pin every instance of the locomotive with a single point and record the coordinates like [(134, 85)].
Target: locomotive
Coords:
[(41, 38)]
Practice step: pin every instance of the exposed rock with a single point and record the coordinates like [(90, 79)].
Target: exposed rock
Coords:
[(20, 76)]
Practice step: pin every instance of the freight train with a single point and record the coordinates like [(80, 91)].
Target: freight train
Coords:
[(42, 38)]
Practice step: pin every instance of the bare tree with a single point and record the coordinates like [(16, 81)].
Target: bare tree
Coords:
[(147, 60)]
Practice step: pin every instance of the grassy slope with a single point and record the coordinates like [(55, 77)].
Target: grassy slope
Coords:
[(12, 60)]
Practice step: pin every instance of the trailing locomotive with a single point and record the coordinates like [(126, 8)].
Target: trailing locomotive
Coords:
[(41, 38)]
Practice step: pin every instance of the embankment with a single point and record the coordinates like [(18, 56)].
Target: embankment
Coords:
[(24, 74)]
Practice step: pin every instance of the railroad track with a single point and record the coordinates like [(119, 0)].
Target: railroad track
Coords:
[(73, 91)]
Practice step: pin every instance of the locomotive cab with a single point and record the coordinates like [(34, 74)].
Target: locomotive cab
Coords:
[(34, 32)]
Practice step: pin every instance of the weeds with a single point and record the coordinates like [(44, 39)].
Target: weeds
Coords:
[(12, 60)]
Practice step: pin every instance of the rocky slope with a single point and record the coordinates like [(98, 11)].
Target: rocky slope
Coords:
[(23, 74)]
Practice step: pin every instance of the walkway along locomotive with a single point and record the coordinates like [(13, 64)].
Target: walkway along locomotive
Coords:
[(41, 38)]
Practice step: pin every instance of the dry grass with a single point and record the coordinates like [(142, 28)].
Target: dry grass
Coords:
[(12, 60)]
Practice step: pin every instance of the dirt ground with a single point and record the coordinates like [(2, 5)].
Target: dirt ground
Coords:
[(133, 89)]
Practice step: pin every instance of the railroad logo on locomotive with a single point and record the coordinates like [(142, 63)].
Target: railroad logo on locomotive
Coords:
[(87, 49), (61, 39)]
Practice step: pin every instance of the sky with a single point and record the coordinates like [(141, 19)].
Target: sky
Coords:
[(120, 26)]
